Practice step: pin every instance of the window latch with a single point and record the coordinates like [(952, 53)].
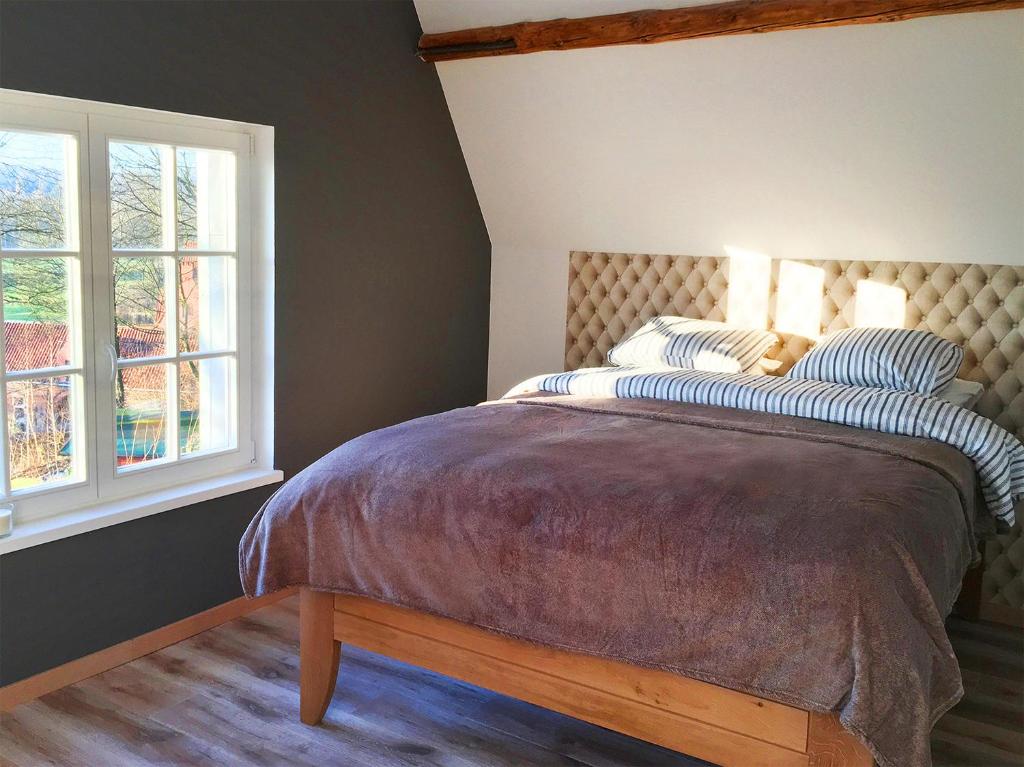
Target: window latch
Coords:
[(112, 356)]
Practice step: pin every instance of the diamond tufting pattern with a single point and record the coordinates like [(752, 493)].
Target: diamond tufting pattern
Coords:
[(980, 307)]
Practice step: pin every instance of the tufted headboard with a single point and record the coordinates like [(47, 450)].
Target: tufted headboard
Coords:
[(980, 307)]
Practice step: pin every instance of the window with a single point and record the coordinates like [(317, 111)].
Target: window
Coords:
[(135, 279)]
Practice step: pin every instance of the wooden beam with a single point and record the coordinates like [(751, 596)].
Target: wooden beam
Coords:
[(730, 18)]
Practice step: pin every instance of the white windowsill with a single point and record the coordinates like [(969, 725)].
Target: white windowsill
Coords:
[(36, 532)]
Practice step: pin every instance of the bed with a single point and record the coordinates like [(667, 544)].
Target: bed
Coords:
[(756, 588)]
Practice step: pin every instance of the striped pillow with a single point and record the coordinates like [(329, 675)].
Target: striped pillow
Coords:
[(680, 342), (887, 358)]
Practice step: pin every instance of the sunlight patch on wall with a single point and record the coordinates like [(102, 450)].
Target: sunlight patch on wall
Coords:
[(750, 275), (798, 299), (879, 306)]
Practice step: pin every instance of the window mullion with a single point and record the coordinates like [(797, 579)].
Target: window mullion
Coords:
[(90, 378), (5, 449), (173, 448), (103, 387), (5, 445), (28, 375), (72, 162), (79, 436)]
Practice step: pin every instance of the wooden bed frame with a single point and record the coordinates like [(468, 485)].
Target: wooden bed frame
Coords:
[(723, 726), (609, 296)]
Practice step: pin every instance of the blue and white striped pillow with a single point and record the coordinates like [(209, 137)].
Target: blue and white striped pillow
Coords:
[(887, 358), (680, 342)]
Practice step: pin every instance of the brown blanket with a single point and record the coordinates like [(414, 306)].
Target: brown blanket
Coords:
[(797, 560)]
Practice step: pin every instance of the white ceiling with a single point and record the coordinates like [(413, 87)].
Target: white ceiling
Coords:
[(449, 15), (876, 142)]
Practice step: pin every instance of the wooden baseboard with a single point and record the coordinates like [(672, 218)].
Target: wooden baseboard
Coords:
[(103, 660)]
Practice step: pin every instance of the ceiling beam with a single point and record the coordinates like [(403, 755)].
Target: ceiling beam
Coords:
[(729, 18)]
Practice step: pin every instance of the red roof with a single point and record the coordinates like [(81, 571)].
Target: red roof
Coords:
[(133, 342), (33, 345), (30, 345)]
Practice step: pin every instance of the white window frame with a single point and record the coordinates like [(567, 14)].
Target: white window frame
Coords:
[(114, 483), (102, 495)]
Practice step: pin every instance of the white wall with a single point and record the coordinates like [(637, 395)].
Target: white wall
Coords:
[(891, 141)]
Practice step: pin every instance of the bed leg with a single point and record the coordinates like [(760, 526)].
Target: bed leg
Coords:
[(829, 745), (319, 654)]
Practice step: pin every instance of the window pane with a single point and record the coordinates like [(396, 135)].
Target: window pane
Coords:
[(141, 399), (36, 313), (206, 199), (140, 196), (39, 431), (140, 306), (205, 303), (34, 209), (206, 389)]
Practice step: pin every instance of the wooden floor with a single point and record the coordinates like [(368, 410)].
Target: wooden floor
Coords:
[(230, 697)]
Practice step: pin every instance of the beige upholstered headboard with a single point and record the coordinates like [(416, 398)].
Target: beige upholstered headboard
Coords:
[(980, 307)]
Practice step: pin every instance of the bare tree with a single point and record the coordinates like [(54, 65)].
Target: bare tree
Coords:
[(32, 215), (31, 198), (140, 284)]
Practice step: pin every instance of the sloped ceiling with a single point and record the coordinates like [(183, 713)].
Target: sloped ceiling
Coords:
[(894, 142)]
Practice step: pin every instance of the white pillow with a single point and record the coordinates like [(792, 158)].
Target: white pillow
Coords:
[(681, 342), (962, 393)]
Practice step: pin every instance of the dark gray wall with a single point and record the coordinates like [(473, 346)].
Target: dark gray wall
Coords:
[(383, 266)]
